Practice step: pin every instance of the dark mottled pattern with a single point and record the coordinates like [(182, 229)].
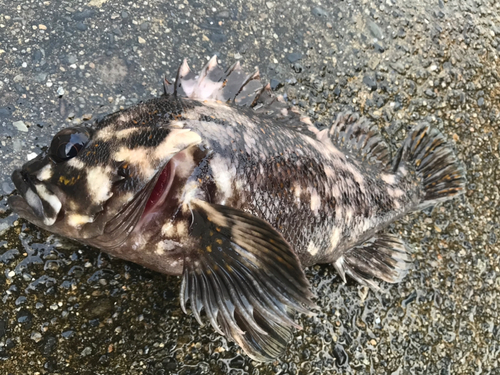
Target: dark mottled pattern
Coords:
[(97, 153), (268, 191), (129, 175), (155, 112), (214, 119), (210, 190), (271, 197), (147, 138)]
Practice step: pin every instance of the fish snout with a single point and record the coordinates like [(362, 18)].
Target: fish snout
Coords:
[(44, 204)]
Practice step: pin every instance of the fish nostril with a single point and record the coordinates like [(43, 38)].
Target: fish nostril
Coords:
[(25, 177)]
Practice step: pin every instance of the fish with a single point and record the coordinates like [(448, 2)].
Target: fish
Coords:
[(227, 185)]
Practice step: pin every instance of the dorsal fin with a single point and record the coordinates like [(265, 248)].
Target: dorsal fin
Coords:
[(235, 86), (185, 81), (361, 138)]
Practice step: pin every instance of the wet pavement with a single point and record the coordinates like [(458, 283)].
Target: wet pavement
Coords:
[(69, 309)]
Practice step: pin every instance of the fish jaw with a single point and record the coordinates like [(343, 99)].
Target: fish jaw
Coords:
[(39, 203)]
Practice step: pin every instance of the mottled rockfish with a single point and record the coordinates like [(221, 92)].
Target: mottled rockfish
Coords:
[(224, 184)]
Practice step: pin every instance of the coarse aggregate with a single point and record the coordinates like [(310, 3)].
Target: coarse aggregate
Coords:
[(69, 309)]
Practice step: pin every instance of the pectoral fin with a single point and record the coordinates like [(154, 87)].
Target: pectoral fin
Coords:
[(246, 278)]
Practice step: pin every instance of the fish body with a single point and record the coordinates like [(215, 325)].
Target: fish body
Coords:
[(223, 184)]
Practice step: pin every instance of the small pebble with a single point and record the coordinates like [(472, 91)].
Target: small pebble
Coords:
[(370, 82), (375, 30), (36, 336), (19, 125), (294, 56), (87, 351), (319, 12), (81, 26)]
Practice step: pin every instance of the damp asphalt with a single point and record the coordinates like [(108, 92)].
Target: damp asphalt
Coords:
[(69, 309)]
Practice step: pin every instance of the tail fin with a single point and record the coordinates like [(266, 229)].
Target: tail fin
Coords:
[(434, 161)]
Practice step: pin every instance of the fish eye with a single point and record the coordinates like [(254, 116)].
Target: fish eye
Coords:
[(68, 143)]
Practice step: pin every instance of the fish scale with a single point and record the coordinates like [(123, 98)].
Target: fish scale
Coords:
[(269, 200), (223, 183)]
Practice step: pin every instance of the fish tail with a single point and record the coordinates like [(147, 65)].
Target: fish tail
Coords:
[(426, 152)]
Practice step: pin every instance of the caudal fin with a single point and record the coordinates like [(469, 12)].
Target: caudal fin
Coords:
[(426, 151)]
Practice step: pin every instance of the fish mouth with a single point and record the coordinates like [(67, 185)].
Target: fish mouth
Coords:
[(29, 204)]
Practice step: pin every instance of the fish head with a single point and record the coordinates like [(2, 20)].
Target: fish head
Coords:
[(93, 184)]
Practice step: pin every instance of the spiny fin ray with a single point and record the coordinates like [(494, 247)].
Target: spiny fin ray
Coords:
[(358, 137), (236, 87)]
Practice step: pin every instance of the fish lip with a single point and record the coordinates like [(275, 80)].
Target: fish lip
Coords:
[(19, 203)]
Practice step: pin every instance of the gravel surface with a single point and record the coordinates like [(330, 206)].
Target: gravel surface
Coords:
[(68, 309)]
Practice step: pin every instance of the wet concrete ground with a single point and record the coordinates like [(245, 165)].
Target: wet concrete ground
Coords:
[(66, 308)]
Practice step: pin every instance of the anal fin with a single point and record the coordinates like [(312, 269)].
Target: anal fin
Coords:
[(384, 256)]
